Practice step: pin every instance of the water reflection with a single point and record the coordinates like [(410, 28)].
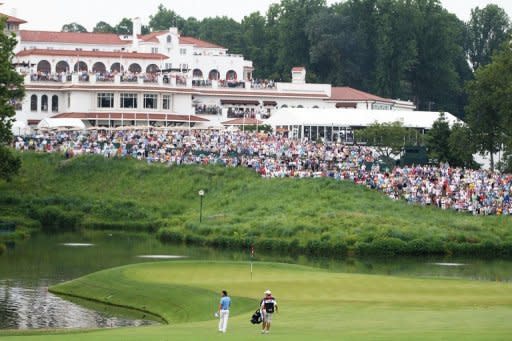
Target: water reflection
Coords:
[(35, 308), (29, 267)]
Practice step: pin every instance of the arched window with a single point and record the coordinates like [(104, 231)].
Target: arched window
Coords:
[(315, 107), (55, 103), (197, 74), (135, 68), (300, 106), (80, 66), (99, 67), (231, 75), (33, 103), (152, 68), (214, 75), (44, 103), (284, 106), (44, 66), (116, 67), (62, 66)]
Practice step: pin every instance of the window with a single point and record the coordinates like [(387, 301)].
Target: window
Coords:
[(69, 100), (168, 66), (105, 100), (166, 102), (44, 103), (128, 100), (154, 50), (150, 101), (183, 51), (33, 103), (169, 39), (183, 66), (55, 103)]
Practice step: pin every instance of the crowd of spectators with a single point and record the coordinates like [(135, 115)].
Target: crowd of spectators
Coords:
[(262, 84), (479, 192)]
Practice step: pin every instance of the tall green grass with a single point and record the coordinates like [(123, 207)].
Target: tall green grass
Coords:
[(310, 216)]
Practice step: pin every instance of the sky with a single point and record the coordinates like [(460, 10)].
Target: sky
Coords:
[(50, 15)]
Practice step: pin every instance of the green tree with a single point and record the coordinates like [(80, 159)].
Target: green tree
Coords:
[(294, 45), (253, 41), (223, 31), (103, 27), (125, 27), (165, 18), (73, 27), (191, 27), (437, 140), (388, 139), (461, 146), (490, 104), (11, 90), (488, 29)]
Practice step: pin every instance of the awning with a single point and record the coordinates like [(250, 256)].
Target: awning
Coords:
[(346, 105), (239, 102), (157, 116), (55, 123), (242, 121)]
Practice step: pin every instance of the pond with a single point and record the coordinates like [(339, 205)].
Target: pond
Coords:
[(29, 267)]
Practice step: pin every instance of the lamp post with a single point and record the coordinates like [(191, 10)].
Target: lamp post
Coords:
[(201, 195)]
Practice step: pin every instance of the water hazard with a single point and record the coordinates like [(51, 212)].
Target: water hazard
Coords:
[(30, 266)]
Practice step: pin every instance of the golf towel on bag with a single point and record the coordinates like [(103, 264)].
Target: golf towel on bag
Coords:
[(256, 317)]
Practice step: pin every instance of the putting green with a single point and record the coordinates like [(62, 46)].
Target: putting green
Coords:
[(314, 304)]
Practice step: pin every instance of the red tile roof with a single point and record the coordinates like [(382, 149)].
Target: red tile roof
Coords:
[(298, 69), (346, 93), (72, 37), (151, 37), (13, 20), (98, 54), (131, 116), (199, 43)]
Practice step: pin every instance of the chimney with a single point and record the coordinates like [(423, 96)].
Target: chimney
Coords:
[(299, 75), (137, 29), (173, 30)]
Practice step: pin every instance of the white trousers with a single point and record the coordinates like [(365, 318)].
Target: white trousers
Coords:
[(223, 320)]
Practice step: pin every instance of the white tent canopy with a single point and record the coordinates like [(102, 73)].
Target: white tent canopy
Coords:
[(355, 117), (56, 123)]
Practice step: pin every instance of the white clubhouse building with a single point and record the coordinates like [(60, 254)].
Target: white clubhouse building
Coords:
[(165, 79)]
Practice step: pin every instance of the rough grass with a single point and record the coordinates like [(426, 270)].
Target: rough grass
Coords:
[(314, 304), (315, 216)]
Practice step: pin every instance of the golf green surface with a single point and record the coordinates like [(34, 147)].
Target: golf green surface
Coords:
[(314, 304)]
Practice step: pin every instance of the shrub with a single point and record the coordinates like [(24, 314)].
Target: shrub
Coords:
[(54, 219), (2, 248), (170, 236)]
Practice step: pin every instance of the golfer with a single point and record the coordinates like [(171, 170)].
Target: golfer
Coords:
[(268, 307), (223, 311)]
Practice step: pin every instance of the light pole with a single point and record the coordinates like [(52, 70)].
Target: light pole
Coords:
[(201, 195)]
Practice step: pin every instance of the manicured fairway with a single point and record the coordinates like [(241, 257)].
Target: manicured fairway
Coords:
[(314, 304)]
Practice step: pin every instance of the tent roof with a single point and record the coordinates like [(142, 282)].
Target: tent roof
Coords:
[(54, 123), (355, 117)]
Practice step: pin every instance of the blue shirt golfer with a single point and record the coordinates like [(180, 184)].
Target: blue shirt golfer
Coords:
[(224, 305)]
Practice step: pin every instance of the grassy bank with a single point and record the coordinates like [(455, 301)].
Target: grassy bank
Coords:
[(314, 304), (311, 216)]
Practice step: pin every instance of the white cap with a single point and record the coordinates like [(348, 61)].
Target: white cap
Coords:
[(268, 292)]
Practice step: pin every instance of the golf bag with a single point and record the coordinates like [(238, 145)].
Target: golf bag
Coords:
[(256, 317)]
